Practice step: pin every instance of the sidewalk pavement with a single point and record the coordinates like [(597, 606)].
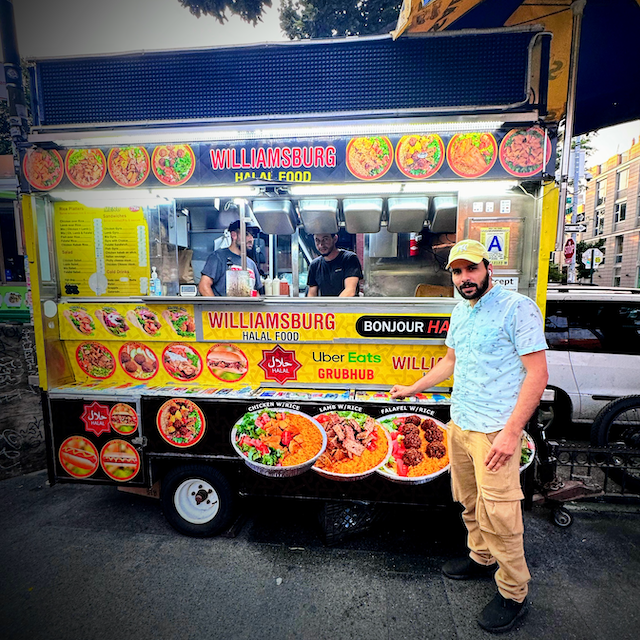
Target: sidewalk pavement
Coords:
[(90, 562)]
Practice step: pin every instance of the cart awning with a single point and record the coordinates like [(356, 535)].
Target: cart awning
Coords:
[(608, 90)]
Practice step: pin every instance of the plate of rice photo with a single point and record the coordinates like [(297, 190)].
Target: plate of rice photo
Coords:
[(357, 445), (278, 443), (419, 452)]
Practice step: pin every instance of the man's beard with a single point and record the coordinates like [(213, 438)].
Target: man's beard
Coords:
[(479, 290)]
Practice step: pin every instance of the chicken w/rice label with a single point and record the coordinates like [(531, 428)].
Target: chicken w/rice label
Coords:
[(356, 445)]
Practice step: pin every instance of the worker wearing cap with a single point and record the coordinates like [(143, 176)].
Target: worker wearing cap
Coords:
[(496, 353), (213, 281)]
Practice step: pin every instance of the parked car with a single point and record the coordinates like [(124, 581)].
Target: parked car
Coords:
[(594, 351)]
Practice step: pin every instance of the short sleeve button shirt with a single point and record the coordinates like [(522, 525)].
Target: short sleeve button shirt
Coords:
[(489, 339)]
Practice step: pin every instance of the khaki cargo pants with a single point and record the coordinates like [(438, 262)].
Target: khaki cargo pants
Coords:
[(492, 509)]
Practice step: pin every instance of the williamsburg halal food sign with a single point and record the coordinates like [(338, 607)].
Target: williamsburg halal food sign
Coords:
[(522, 152)]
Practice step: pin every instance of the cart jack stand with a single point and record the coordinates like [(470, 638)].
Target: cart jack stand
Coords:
[(555, 494)]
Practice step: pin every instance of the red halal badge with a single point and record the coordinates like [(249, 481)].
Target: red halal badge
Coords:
[(279, 365), (96, 418)]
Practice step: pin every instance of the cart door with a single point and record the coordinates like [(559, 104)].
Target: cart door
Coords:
[(98, 440)]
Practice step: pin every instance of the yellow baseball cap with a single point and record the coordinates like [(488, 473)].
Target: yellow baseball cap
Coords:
[(470, 250)]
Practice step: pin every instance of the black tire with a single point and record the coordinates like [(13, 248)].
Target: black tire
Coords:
[(197, 500), (618, 423)]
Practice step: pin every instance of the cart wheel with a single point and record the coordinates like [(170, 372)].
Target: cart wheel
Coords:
[(197, 500), (618, 424), (562, 518)]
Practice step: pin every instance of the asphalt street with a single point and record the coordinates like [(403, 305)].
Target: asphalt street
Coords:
[(94, 563)]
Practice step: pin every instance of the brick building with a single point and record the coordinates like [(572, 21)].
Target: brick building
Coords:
[(612, 212)]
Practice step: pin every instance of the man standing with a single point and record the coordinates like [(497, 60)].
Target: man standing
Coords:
[(496, 353), (213, 281), (336, 272)]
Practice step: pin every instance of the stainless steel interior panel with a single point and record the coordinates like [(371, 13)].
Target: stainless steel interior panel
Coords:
[(319, 216), (362, 215), (275, 217), (443, 214), (407, 214), (383, 244)]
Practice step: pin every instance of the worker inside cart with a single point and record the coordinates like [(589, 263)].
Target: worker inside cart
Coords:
[(335, 272), (496, 353), (213, 281)]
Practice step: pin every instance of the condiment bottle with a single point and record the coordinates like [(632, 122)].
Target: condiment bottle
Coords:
[(155, 286), (284, 288), (275, 287), (268, 287)]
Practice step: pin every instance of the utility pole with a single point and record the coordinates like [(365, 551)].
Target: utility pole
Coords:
[(578, 173), (18, 121)]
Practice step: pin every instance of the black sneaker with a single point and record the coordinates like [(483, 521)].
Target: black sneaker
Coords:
[(466, 569), (501, 614)]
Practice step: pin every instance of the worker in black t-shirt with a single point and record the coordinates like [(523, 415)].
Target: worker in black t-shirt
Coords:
[(335, 272)]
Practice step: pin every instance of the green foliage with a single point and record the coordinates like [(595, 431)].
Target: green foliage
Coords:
[(5, 137), (249, 10), (555, 272), (300, 19), (5, 130), (582, 272)]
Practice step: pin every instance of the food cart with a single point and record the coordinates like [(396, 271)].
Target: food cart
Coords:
[(198, 399)]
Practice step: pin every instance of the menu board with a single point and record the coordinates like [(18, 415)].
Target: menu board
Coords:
[(101, 251)]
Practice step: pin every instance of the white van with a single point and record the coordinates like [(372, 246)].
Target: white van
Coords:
[(593, 335)]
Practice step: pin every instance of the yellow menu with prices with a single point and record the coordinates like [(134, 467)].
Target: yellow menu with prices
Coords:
[(101, 251)]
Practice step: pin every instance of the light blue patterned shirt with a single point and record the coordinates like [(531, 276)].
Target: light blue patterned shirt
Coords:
[(489, 339)]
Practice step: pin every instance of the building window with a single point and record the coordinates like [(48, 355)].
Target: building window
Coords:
[(619, 248), (622, 181), (616, 277), (620, 212), (601, 192), (598, 223)]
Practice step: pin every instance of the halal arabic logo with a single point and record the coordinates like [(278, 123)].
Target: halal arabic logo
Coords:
[(96, 418), (279, 365)]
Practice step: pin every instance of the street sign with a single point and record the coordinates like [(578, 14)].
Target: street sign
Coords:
[(569, 250), (593, 257), (575, 228)]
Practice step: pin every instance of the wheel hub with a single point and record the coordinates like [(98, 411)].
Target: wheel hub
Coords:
[(196, 501)]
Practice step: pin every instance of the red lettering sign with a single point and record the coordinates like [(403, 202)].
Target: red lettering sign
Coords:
[(279, 364), (96, 418)]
